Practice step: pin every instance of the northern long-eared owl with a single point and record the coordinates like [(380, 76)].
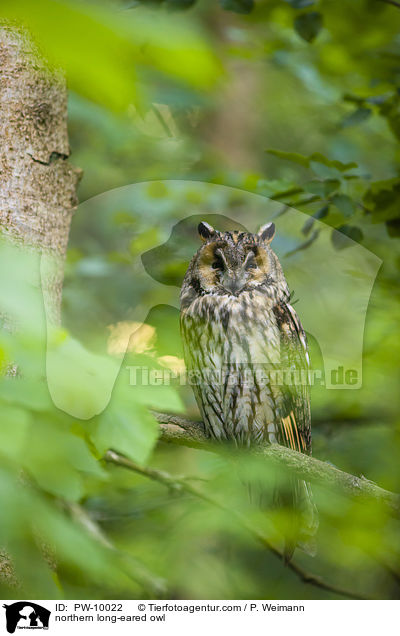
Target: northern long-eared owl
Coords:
[(246, 349)]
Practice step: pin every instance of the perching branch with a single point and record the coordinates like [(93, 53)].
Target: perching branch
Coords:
[(180, 430), (182, 485)]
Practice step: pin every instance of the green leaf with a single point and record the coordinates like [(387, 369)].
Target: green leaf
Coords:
[(295, 157), (58, 459), (80, 382), (322, 187), (344, 203), (390, 109), (273, 187), (27, 393), (393, 228), (100, 48), (320, 214), (332, 163), (143, 381), (340, 237), (86, 41), (130, 430), (316, 157), (308, 25), (180, 4), (300, 4), (305, 244), (360, 115), (14, 426), (382, 200), (237, 6), (161, 397)]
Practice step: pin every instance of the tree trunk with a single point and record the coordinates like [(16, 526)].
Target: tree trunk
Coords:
[(37, 184), (232, 130)]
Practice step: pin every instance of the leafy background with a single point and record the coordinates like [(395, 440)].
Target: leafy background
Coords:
[(294, 100)]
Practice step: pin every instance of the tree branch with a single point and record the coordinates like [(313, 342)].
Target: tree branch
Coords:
[(181, 485), (179, 430)]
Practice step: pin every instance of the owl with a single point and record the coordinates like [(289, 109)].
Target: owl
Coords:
[(246, 355)]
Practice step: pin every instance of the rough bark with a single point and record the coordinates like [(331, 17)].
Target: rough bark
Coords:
[(37, 184)]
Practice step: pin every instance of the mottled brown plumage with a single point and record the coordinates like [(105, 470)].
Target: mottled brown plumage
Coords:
[(246, 351)]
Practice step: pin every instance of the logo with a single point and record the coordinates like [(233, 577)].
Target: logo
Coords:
[(26, 615)]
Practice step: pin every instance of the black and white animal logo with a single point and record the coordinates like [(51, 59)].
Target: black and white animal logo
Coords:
[(26, 615)]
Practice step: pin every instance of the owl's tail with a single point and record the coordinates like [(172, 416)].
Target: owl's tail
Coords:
[(298, 523), (302, 519)]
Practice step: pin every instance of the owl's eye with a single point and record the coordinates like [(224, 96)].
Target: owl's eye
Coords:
[(250, 262), (218, 263)]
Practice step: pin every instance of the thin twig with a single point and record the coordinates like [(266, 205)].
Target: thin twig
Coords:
[(181, 485), (286, 193)]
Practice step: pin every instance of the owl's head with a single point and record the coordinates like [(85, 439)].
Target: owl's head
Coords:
[(235, 262)]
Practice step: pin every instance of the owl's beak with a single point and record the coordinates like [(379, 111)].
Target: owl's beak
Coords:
[(233, 282)]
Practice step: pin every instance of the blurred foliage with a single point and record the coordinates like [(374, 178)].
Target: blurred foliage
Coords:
[(295, 100), (101, 50)]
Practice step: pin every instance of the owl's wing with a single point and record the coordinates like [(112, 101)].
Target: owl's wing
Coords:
[(295, 406)]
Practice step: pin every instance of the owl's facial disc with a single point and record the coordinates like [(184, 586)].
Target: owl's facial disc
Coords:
[(234, 274), (232, 262), (230, 271)]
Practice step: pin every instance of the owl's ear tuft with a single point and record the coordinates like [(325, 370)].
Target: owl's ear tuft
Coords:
[(267, 232), (205, 230)]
